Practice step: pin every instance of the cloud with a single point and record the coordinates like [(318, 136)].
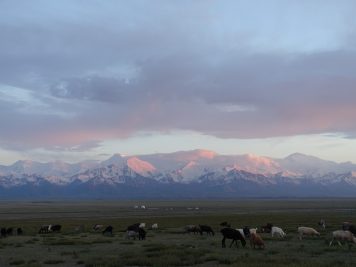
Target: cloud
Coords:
[(72, 79)]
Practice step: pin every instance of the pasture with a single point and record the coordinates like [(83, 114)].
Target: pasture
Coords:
[(79, 245)]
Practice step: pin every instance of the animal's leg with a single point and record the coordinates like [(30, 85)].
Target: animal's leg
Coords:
[(233, 240), (339, 243), (223, 243)]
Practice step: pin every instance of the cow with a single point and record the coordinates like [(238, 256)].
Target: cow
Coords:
[(3, 232), (45, 229), (133, 227), (56, 228), (19, 231), (229, 233), (136, 232), (108, 230), (266, 228), (141, 234), (205, 228), (98, 227), (191, 228), (9, 231)]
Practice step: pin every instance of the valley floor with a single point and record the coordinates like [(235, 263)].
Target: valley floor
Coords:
[(169, 245)]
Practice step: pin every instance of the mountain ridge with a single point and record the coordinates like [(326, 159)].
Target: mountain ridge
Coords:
[(198, 173)]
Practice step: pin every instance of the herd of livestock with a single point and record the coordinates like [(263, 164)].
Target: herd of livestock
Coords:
[(346, 233)]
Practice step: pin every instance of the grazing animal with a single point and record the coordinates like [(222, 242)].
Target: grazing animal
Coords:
[(322, 224), (256, 240), (98, 227), (266, 228), (133, 227), (131, 233), (346, 226), (225, 224), (191, 228), (229, 233), (108, 230), (246, 232), (307, 231), (154, 226), (9, 231), (19, 231), (79, 229), (45, 229), (141, 234), (3, 232), (352, 229), (142, 225), (205, 228), (55, 228), (277, 231), (341, 235)]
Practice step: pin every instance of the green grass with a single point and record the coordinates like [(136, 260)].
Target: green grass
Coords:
[(169, 245)]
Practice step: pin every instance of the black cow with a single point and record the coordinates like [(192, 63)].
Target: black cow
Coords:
[(55, 228), (205, 228), (266, 228), (230, 233), (3, 232), (108, 230), (141, 234), (192, 228), (134, 227), (246, 231), (19, 231), (9, 231), (352, 229), (44, 229), (346, 226)]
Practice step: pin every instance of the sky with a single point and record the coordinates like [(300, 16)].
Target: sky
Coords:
[(83, 79)]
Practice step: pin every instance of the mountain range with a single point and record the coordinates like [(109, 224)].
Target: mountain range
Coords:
[(184, 174)]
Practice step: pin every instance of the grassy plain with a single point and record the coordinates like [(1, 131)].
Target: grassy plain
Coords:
[(169, 246)]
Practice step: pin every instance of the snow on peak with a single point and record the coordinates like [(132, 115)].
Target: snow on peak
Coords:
[(140, 166), (257, 164)]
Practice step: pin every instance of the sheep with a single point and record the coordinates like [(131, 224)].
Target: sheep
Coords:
[(341, 235), (154, 226), (277, 231), (142, 225), (256, 240), (131, 233), (302, 230)]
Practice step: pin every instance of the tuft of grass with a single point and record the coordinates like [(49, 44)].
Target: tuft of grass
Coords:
[(54, 261), (17, 262)]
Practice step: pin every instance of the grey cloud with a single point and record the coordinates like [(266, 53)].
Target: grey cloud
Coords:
[(123, 69)]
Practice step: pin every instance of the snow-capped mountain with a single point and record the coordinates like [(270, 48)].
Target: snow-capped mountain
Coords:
[(197, 173)]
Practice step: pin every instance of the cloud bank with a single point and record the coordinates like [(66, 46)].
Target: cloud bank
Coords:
[(75, 73)]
